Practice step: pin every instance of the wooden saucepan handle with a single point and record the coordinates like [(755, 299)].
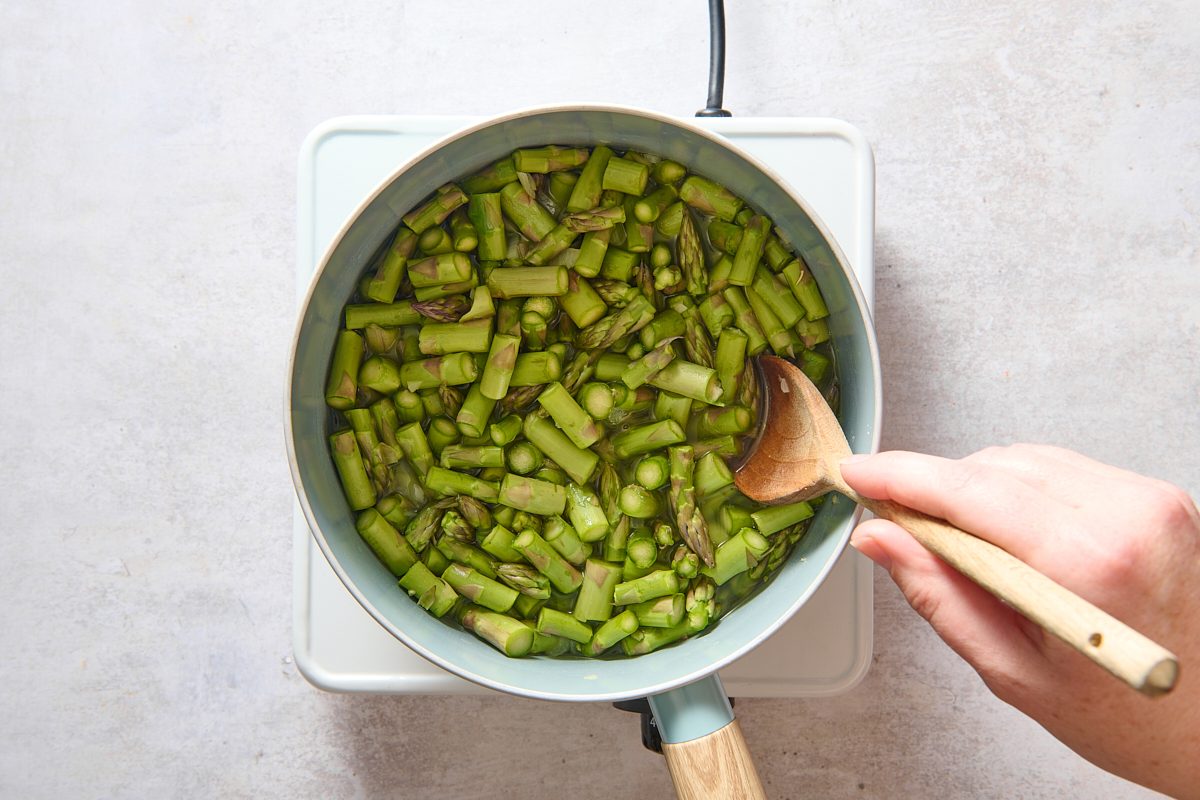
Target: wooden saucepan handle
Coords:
[(1118, 648), (714, 767)]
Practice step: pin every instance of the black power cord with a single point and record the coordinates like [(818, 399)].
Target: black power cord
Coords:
[(716, 61)]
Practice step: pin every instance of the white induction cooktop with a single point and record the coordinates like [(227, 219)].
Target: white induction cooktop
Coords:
[(824, 649)]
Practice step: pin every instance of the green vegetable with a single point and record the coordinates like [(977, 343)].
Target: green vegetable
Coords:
[(537, 386)]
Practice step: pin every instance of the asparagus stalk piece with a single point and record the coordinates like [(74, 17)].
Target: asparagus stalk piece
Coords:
[(383, 285), (348, 460), (506, 430), (670, 220), (587, 517), (486, 215), (710, 198), (618, 263), (476, 411), (777, 335), (772, 519), (577, 424), (623, 175), (431, 592), (464, 457), (510, 636), (563, 538), (749, 250), (647, 438), (711, 474), (581, 302), (813, 332), (738, 554), (661, 612), (341, 390), (636, 502), (532, 495), (815, 365), (448, 482), (440, 270), (396, 509), (730, 359), (508, 282), (689, 380), (575, 461), (691, 523), (544, 643), (656, 584), (597, 219), (523, 458), (586, 193), (721, 421), (435, 241), (641, 549), (650, 208), (388, 315), (498, 543), (492, 179), (804, 289), (498, 369), (610, 367), (609, 329), (596, 399), (442, 432), (685, 563), (531, 219), (716, 313), (440, 338), (435, 211), (552, 244), (652, 472), (592, 252), (479, 588), (386, 542), (453, 369), (647, 640), (595, 600), (648, 366), (611, 633), (381, 340), (776, 295), (546, 560), (615, 543), (556, 623), (549, 159), (436, 562), (745, 319)]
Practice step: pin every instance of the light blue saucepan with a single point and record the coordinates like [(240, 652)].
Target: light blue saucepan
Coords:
[(680, 681)]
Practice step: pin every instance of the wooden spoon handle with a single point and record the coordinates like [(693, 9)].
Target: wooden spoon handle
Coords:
[(1127, 654)]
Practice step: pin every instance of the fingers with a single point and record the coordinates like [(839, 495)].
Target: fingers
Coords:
[(1002, 646), (984, 500)]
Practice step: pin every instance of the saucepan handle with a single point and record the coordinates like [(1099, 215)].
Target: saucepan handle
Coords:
[(703, 744)]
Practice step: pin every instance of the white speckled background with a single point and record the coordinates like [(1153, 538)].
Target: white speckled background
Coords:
[(1038, 206)]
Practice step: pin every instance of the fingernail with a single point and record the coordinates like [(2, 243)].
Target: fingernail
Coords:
[(872, 549), (856, 458)]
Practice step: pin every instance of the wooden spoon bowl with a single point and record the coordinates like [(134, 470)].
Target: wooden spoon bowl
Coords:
[(795, 456)]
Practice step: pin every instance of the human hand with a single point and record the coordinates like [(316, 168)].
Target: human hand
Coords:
[(1126, 543)]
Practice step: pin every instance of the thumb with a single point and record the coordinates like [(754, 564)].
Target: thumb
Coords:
[(1000, 644)]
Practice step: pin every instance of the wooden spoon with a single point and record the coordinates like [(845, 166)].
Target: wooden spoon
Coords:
[(795, 457)]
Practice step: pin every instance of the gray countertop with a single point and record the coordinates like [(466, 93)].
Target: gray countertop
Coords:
[(1038, 207)]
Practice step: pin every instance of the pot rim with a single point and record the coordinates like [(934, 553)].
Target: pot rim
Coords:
[(306, 507)]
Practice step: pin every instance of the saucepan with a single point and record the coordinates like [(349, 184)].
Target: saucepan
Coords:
[(702, 742)]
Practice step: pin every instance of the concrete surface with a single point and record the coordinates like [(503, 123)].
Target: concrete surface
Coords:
[(1038, 202)]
